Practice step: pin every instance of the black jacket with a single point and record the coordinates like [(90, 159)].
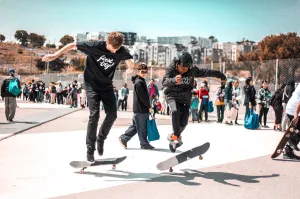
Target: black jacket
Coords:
[(182, 93), (4, 87), (276, 100), (288, 91), (250, 93), (141, 101)]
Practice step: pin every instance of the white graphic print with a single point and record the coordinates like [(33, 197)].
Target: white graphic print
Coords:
[(105, 62), (186, 80)]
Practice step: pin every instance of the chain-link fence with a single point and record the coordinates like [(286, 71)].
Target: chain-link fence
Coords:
[(276, 72)]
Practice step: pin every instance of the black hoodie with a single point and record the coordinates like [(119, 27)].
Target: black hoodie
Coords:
[(181, 93), (288, 91), (141, 101)]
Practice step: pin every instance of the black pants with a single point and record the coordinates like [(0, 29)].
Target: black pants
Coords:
[(59, 98), (108, 99), (220, 112), (263, 112), (180, 117), (139, 126), (203, 107), (278, 116)]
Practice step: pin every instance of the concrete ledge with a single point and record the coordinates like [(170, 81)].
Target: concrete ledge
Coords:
[(10, 129)]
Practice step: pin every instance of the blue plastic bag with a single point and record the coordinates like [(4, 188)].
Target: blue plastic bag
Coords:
[(251, 120), (210, 107), (152, 130)]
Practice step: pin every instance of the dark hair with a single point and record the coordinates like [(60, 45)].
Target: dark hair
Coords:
[(143, 66), (194, 93), (248, 80), (263, 83)]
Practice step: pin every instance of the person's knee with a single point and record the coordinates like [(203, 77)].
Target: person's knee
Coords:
[(112, 116)]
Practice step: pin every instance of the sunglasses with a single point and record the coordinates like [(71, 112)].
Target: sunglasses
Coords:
[(144, 72)]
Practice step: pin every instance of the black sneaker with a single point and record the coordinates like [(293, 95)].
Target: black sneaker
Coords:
[(290, 155), (147, 147), (293, 144), (237, 123), (90, 155), (100, 147), (123, 142)]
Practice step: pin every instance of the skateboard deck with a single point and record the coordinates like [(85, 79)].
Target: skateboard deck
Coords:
[(182, 157), (285, 138), (106, 161)]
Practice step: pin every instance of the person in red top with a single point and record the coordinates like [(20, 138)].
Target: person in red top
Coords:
[(203, 95)]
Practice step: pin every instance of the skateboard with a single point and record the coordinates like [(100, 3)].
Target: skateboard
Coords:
[(107, 161), (182, 157), (285, 138)]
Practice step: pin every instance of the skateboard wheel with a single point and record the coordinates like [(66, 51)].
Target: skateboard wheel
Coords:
[(114, 167), (82, 171), (171, 170), (278, 151), (200, 157), (292, 129)]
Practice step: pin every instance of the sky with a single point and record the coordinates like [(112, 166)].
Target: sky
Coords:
[(227, 20)]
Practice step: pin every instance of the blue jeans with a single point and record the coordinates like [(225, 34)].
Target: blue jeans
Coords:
[(138, 126), (195, 115)]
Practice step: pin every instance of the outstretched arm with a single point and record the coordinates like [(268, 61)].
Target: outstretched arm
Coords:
[(200, 72), (67, 48)]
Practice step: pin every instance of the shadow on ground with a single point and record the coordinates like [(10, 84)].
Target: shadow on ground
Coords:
[(186, 178)]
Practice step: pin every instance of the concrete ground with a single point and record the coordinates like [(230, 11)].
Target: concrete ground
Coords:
[(35, 163)]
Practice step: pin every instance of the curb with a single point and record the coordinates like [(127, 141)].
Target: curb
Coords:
[(25, 129)]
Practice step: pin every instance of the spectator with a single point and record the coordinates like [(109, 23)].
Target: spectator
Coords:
[(263, 100)]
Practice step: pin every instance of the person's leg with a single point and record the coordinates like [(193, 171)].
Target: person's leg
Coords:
[(237, 116), (93, 99), (206, 111), (6, 104), (222, 112), (141, 126), (247, 111), (108, 99), (266, 110), (175, 117), (12, 105), (218, 112), (194, 114), (125, 103), (129, 133), (261, 113), (200, 111), (184, 117)]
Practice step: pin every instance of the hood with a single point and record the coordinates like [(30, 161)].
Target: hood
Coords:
[(291, 82), (135, 78)]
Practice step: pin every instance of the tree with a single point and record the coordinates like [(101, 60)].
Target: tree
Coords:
[(50, 45), (21, 36), (36, 40), (213, 39), (66, 40), (55, 65), (2, 38)]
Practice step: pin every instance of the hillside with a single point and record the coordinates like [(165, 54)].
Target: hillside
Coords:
[(24, 60)]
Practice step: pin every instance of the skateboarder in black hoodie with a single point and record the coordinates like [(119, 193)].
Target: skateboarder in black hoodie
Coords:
[(178, 85), (102, 59), (141, 108)]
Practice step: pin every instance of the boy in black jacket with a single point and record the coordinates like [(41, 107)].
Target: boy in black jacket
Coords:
[(178, 82), (141, 109)]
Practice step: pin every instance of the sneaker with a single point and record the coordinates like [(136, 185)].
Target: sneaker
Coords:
[(123, 142), (100, 147), (266, 126), (293, 144), (147, 147), (289, 154), (175, 142), (90, 155), (237, 123)]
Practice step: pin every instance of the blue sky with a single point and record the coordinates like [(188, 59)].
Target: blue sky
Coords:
[(227, 20)]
